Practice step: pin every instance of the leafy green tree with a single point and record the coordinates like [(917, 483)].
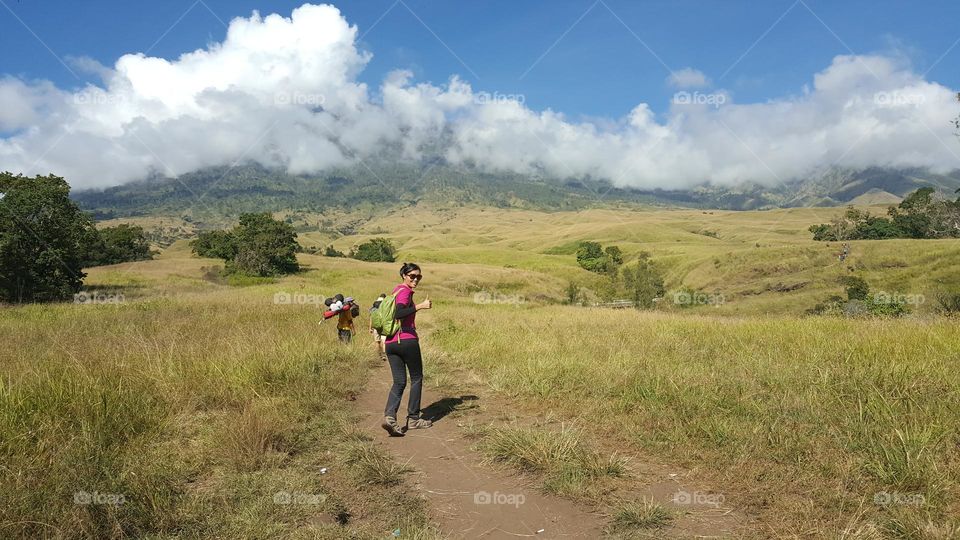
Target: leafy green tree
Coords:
[(823, 233), (265, 246), (919, 215), (877, 228), (216, 245), (591, 256), (258, 246), (119, 244), (643, 281), (375, 250), (43, 239)]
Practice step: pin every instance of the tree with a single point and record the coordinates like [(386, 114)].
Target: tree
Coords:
[(591, 256), (614, 254), (920, 215), (375, 250), (876, 228), (114, 245), (259, 245), (215, 244), (265, 246), (43, 239), (643, 282), (823, 233)]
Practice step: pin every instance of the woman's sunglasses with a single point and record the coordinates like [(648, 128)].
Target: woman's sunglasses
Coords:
[(415, 277)]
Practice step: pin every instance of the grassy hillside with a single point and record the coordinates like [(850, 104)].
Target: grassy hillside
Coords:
[(760, 262), (199, 401)]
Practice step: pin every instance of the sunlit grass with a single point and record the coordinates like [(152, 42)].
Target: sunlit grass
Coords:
[(782, 410)]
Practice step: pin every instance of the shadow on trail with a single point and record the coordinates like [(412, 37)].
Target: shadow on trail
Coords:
[(442, 407)]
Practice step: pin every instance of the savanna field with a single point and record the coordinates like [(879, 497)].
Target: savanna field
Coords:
[(201, 400)]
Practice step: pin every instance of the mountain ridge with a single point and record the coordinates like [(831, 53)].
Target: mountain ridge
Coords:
[(229, 191)]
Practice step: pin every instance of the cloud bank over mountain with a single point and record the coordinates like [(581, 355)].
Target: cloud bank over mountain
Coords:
[(284, 91)]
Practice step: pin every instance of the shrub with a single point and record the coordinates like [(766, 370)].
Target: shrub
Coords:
[(948, 302), (331, 252), (375, 250), (882, 305), (857, 287), (574, 293)]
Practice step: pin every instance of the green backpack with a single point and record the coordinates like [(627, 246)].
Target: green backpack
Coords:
[(383, 319)]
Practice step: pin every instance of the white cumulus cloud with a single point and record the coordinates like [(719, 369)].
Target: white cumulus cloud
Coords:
[(688, 78), (284, 91)]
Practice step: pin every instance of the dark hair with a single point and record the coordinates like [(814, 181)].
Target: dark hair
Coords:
[(407, 268), (338, 298)]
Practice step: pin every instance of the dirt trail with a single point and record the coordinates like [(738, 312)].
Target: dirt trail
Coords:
[(470, 499)]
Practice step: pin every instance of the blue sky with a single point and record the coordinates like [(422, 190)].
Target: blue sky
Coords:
[(109, 92), (599, 68)]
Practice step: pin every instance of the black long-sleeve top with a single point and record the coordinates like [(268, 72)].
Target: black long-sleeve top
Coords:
[(404, 311)]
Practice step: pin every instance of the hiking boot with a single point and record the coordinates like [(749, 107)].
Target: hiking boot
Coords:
[(391, 426), (417, 423)]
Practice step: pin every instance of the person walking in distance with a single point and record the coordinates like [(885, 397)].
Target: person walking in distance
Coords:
[(345, 320), (403, 354)]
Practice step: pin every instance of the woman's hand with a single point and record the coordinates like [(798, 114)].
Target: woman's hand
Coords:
[(426, 304)]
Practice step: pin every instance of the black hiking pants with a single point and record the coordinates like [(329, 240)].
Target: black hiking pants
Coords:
[(404, 356)]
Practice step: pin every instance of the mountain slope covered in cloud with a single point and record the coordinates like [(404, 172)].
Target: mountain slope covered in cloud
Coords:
[(223, 192), (284, 92)]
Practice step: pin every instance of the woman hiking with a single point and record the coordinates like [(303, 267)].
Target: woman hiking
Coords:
[(403, 354)]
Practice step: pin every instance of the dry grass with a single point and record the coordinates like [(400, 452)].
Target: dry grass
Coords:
[(183, 416), (198, 401), (799, 420), (567, 465), (630, 519)]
